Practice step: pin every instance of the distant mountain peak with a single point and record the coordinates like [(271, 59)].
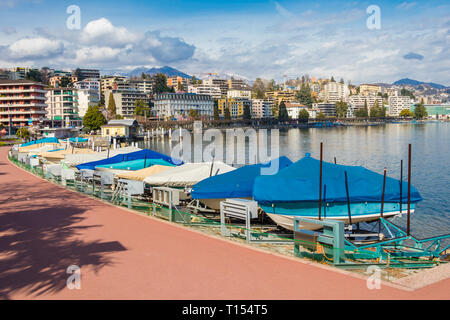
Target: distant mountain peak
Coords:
[(166, 70), (411, 82)]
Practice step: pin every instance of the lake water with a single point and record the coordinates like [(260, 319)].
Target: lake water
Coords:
[(377, 147)]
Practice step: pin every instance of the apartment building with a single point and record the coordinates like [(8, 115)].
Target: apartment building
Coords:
[(369, 89), (125, 100), (22, 102), (87, 73), (328, 109), (179, 83), (144, 85), (294, 108), (245, 94), (108, 82), (62, 107), (235, 105), (278, 96), (206, 89), (55, 81), (262, 108), (87, 98), (334, 91), (359, 101), (221, 83), (237, 84), (169, 105), (397, 104)]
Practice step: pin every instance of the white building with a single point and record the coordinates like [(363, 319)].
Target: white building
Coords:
[(358, 101), (334, 91), (206, 89), (245, 94), (294, 108), (143, 85), (262, 108), (397, 104), (168, 105), (221, 83), (86, 98), (62, 106)]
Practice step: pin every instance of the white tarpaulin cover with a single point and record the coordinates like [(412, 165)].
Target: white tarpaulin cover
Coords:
[(188, 174), (73, 160)]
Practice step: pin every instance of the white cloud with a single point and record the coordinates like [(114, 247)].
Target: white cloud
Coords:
[(35, 48), (103, 32), (97, 54)]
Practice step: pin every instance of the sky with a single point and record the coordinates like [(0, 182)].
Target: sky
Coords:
[(245, 38)]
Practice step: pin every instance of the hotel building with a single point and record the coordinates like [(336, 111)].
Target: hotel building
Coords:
[(22, 102), (62, 106), (168, 105)]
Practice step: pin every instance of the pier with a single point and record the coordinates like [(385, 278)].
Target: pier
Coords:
[(45, 228)]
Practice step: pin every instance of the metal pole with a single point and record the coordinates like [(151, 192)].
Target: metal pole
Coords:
[(335, 160), (320, 181), (382, 195), (145, 161), (401, 186), (348, 199), (409, 191)]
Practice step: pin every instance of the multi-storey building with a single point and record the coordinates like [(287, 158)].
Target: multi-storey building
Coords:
[(87, 73), (246, 94), (334, 91), (398, 103), (221, 83), (55, 81), (359, 101), (169, 105), (143, 85), (179, 83), (262, 108), (294, 108), (369, 89), (22, 102), (62, 107), (18, 73), (328, 109), (278, 96), (125, 101), (237, 84), (108, 82), (235, 105), (210, 90)]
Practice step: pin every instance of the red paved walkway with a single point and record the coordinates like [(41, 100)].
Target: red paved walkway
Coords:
[(45, 228)]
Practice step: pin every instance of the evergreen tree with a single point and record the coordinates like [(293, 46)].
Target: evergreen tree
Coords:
[(341, 109), (247, 113), (282, 112), (406, 113), (160, 84), (227, 114), (34, 75), (420, 111), (321, 116), (65, 82), (332, 79), (93, 119), (304, 95), (216, 111), (141, 108), (111, 105)]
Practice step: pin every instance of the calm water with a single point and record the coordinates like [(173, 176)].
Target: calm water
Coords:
[(376, 147)]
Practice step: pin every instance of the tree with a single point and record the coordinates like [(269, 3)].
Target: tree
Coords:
[(375, 111), (111, 105), (341, 109), (420, 111), (65, 82), (341, 81), (141, 108), (405, 92), (332, 79), (193, 113), (303, 115), (282, 112), (23, 133), (321, 116), (160, 84), (227, 114), (259, 88), (362, 113), (304, 95), (406, 113), (34, 75), (247, 113), (93, 119), (216, 110)]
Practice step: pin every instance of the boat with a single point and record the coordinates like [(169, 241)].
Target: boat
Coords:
[(294, 192), (73, 160), (187, 175), (234, 184), (141, 154), (140, 175), (134, 164)]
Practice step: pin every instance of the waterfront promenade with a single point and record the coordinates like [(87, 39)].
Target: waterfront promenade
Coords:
[(45, 228)]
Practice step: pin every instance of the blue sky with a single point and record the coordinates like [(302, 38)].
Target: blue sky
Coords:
[(244, 38)]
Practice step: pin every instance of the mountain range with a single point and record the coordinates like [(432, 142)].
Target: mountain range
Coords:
[(166, 70), (412, 82)]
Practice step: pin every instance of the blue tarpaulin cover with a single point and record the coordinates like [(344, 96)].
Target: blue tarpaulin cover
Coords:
[(136, 164), (142, 154), (300, 182), (234, 184), (46, 140), (76, 139)]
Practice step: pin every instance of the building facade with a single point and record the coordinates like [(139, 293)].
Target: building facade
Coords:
[(22, 102), (334, 91), (125, 101), (359, 101), (210, 90), (245, 94), (397, 104), (169, 105), (221, 83), (369, 89), (235, 105), (328, 109), (262, 108), (62, 107)]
